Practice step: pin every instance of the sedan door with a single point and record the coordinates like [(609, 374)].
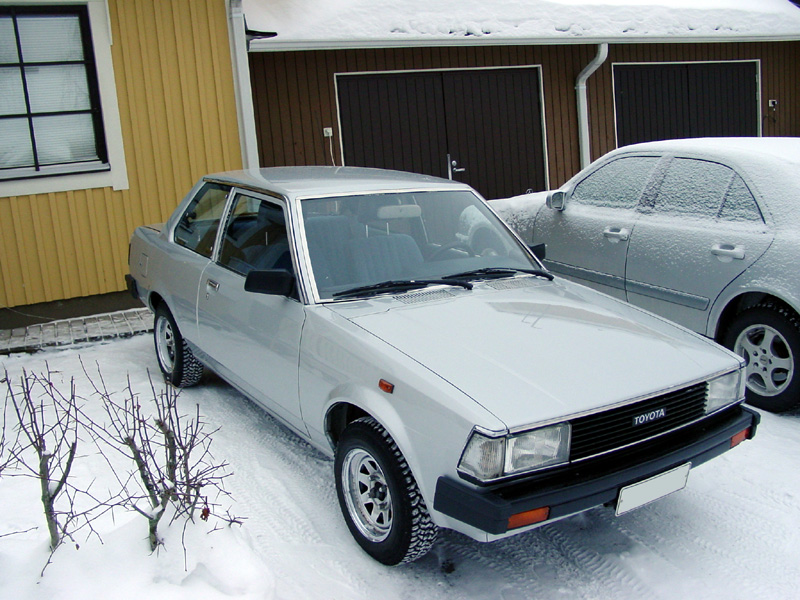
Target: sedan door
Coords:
[(588, 240), (253, 338), (703, 231)]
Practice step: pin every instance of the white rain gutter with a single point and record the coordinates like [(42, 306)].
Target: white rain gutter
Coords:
[(583, 103), (241, 85)]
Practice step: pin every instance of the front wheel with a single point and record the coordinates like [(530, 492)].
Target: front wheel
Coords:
[(767, 336), (379, 498), (175, 358)]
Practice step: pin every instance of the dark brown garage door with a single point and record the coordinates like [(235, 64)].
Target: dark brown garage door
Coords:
[(487, 121), (684, 100)]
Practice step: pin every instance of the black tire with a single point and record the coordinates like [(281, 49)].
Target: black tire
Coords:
[(767, 335), (175, 358), (388, 518)]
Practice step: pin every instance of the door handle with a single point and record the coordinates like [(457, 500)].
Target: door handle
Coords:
[(616, 234), (212, 284), (728, 251), (456, 168)]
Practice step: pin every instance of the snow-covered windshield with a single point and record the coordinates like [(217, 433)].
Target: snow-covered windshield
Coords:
[(356, 241)]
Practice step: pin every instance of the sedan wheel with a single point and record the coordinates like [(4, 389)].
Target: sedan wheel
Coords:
[(175, 358), (767, 336), (379, 498)]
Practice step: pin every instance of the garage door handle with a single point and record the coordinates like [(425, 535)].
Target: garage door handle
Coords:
[(616, 233), (728, 251)]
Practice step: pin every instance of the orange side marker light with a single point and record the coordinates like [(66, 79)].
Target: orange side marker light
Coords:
[(529, 517), (385, 386)]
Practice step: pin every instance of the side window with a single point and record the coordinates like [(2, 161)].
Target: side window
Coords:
[(619, 184), (197, 228), (693, 188), (255, 237), (739, 204)]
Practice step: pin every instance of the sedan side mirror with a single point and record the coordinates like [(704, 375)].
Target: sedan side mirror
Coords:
[(539, 251), (275, 282), (557, 200)]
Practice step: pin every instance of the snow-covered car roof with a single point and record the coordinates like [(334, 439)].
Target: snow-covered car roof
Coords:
[(327, 181), (771, 164), (303, 24)]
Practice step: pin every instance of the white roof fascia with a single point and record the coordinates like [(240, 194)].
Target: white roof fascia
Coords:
[(276, 45)]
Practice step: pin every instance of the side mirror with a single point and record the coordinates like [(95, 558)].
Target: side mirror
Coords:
[(539, 251), (557, 200), (275, 282)]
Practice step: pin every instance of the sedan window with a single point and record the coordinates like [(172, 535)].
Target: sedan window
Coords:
[(619, 184), (739, 204), (197, 227), (255, 237), (404, 239), (693, 188)]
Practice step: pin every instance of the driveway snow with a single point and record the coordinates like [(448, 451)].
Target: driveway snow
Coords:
[(734, 532)]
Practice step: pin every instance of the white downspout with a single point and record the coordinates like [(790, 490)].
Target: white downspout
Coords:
[(241, 85), (583, 102)]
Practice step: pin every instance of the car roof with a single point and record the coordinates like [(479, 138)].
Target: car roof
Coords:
[(331, 181), (742, 150)]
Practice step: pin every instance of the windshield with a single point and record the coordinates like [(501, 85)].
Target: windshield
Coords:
[(358, 241)]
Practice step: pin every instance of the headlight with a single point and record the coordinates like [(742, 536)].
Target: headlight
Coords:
[(725, 390), (487, 458)]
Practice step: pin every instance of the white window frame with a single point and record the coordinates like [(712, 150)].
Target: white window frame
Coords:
[(117, 176)]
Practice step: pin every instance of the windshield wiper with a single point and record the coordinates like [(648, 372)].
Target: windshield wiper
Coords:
[(398, 285), (496, 272)]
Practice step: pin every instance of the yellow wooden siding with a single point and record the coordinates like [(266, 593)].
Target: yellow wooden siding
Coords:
[(172, 66)]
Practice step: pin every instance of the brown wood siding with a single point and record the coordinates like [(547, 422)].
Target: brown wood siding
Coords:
[(780, 80), (174, 82), (290, 128)]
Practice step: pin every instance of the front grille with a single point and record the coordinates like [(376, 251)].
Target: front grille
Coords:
[(604, 431)]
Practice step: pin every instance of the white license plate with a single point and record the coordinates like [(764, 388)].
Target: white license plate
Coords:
[(644, 492)]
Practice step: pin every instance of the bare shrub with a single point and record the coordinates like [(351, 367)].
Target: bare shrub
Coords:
[(171, 454)]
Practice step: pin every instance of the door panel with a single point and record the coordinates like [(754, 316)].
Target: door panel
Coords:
[(253, 339), (486, 120), (494, 130), (588, 240), (684, 100), (394, 121), (704, 231)]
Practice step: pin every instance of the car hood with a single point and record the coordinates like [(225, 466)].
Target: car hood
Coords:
[(541, 351)]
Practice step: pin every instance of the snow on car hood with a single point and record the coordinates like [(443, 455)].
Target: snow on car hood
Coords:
[(542, 351)]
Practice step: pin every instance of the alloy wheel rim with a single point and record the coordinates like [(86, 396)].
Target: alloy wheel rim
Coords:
[(770, 363), (166, 344), (367, 495)]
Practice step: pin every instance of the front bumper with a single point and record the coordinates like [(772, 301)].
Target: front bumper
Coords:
[(593, 482)]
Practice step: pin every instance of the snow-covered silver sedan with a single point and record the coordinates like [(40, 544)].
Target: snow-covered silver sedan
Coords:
[(705, 232), (455, 382)]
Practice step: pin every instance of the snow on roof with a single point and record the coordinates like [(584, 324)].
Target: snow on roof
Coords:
[(305, 24)]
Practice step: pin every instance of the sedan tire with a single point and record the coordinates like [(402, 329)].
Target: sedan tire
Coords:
[(379, 498), (768, 337), (175, 358)]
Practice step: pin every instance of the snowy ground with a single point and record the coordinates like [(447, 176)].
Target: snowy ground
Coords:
[(734, 532)]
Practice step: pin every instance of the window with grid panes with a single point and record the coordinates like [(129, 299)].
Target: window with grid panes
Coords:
[(50, 114)]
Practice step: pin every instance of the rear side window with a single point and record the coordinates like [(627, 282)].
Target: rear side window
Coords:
[(197, 227), (739, 204), (619, 184), (693, 188)]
